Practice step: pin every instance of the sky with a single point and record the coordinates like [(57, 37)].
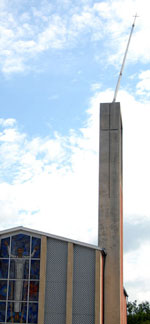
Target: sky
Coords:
[(58, 61)]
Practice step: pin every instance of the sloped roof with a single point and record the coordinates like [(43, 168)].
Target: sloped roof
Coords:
[(15, 230)]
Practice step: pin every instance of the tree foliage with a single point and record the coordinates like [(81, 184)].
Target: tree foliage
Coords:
[(138, 313)]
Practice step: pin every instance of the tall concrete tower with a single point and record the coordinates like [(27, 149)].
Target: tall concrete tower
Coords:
[(110, 210)]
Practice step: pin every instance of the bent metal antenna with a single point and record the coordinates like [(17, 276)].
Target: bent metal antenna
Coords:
[(124, 59)]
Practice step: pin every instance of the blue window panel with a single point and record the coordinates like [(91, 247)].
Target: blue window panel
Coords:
[(16, 312), (19, 283), (19, 268), (4, 250), (34, 290), (25, 291), (4, 269), (23, 287), (2, 311), (20, 246), (3, 289), (11, 290), (36, 247), (35, 269), (33, 313)]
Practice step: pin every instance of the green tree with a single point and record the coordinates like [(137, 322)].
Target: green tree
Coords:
[(138, 313)]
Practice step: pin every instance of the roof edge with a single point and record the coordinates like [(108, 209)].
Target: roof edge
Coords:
[(61, 238)]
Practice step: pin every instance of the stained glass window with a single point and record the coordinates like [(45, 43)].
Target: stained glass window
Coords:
[(19, 279)]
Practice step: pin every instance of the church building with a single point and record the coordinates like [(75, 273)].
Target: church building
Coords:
[(47, 279)]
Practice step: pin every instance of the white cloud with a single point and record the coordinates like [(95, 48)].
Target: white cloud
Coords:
[(51, 183), (96, 86), (143, 86), (136, 272), (118, 18), (28, 31), (7, 122)]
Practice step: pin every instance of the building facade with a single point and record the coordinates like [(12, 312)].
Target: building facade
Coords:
[(45, 279)]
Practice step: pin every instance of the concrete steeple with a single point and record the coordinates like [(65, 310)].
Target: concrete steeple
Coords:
[(110, 234)]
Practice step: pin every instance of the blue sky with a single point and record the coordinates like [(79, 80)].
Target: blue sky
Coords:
[(58, 61)]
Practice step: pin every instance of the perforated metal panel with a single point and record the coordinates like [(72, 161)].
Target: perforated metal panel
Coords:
[(56, 276), (83, 319), (55, 319), (83, 286)]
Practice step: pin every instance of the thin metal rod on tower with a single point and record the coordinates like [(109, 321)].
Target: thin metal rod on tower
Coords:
[(124, 59)]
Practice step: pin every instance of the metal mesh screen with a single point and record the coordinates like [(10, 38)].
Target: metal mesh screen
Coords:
[(83, 285), (56, 277)]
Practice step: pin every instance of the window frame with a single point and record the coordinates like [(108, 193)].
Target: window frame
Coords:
[(10, 258)]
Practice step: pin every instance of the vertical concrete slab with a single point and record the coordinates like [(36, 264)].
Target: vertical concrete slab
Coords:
[(98, 288), (42, 280), (110, 209), (69, 284)]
